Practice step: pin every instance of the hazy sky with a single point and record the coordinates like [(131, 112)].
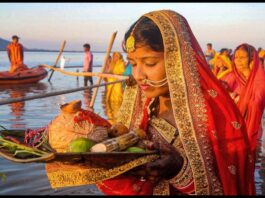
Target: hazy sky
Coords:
[(45, 25)]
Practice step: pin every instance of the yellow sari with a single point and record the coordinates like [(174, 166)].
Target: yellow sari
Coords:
[(226, 65), (114, 92)]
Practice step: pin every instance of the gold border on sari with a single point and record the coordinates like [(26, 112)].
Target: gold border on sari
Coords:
[(65, 175), (164, 129), (128, 105), (187, 98)]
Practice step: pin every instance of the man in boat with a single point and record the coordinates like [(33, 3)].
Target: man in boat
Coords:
[(15, 53), (88, 63)]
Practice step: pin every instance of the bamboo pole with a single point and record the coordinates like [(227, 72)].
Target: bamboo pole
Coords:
[(22, 99), (58, 58), (72, 67), (102, 75), (103, 69)]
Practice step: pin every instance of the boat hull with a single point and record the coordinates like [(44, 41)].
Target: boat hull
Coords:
[(32, 75)]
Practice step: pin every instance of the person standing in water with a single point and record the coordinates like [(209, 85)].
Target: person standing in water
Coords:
[(15, 52), (209, 54), (245, 83), (88, 63)]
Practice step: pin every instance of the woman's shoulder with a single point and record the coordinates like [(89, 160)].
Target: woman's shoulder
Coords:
[(229, 77)]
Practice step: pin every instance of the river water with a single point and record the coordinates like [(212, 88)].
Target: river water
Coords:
[(28, 179)]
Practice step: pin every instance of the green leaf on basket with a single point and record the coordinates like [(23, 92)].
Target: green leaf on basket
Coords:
[(23, 154)]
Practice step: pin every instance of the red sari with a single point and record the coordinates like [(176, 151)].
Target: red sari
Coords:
[(251, 96), (211, 128)]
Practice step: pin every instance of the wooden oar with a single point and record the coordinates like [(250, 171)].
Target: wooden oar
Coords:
[(22, 99), (103, 69), (58, 58), (102, 75)]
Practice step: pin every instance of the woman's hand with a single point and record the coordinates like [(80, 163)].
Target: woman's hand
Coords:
[(167, 166)]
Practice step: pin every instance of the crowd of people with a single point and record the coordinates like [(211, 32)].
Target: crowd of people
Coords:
[(221, 62), (242, 75)]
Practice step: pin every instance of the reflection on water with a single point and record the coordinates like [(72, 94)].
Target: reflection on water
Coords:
[(87, 94), (26, 179), (112, 99), (18, 91)]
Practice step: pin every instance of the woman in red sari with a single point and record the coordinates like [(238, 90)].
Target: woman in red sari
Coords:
[(189, 116), (247, 88)]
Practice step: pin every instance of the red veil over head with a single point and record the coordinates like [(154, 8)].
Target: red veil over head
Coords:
[(252, 94), (211, 128)]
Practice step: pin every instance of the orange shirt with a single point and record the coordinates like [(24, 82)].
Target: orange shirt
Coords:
[(16, 56), (15, 53)]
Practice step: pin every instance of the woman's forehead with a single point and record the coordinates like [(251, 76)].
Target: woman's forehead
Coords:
[(241, 52), (144, 53)]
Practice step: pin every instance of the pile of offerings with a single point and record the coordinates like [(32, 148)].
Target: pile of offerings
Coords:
[(74, 131)]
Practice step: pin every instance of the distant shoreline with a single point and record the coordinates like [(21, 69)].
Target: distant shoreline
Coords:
[(72, 51)]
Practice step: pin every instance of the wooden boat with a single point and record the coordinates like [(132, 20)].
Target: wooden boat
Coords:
[(32, 75)]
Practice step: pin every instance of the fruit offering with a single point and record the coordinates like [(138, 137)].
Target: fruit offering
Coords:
[(80, 145)]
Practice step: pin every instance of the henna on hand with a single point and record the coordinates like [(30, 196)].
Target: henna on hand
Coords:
[(168, 165)]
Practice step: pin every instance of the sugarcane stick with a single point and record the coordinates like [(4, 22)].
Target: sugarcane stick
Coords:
[(102, 75), (58, 58), (119, 143), (103, 69)]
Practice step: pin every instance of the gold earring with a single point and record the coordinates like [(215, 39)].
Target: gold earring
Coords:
[(130, 42)]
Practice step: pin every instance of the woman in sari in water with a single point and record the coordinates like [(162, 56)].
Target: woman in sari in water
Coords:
[(222, 65), (246, 86), (114, 92), (195, 125)]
